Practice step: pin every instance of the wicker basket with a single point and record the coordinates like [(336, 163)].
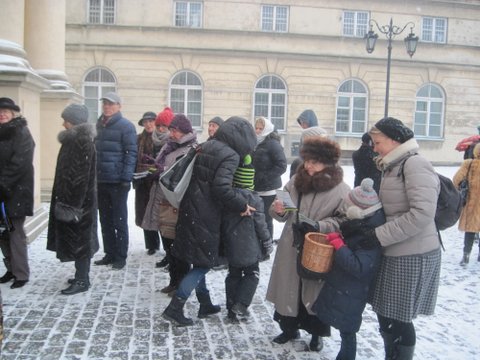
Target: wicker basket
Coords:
[(317, 253)]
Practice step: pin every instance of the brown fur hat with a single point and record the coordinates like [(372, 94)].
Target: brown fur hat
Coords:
[(321, 149)]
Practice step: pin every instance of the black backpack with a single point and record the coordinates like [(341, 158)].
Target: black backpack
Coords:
[(449, 202)]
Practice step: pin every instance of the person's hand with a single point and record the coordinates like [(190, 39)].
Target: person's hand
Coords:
[(267, 249), (307, 225), (335, 240), (249, 211), (352, 227), (278, 207)]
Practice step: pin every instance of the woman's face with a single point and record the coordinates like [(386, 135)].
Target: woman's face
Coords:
[(149, 125), (313, 166), (259, 128), (383, 144), (162, 128), (176, 134), (6, 115)]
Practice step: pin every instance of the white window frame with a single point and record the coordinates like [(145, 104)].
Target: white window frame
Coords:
[(92, 89), (274, 23), (428, 112), (192, 108), (101, 12), (436, 32), (358, 26), (189, 18), (352, 110), (276, 112)]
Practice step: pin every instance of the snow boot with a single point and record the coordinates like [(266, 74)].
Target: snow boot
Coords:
[(174, 312), (316, 343), (206, 306), (465, 259), (388, 344), (403, 352)]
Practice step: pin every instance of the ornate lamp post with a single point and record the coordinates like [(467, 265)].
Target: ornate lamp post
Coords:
[(390, 32)]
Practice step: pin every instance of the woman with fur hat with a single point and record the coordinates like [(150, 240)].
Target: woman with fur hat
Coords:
[(160, 215), (343, 297), (16, 189), (149, 142), (470, 217), (270, 163), (318, 189), (408, 278), (72, 225)]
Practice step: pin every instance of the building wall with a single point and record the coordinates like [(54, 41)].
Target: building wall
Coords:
[(230, 53)]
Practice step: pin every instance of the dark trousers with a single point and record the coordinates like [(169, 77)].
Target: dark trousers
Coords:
[(241, 284), (15, 250), (82, 270), (152, 239), (112, 208), (348, 348), (468, 242), (267, 202), (402, 333)]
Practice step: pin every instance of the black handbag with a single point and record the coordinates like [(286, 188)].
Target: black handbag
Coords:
[(463, 187)]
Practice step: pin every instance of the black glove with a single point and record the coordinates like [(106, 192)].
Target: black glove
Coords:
[(307, 225), (353, 227)]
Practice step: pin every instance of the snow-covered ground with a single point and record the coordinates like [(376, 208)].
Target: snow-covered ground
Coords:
[(119, 317)]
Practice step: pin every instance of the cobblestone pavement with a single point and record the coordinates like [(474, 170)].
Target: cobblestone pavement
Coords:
[(120, 318)]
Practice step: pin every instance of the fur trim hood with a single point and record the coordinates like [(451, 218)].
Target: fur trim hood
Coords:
[(82, 130)]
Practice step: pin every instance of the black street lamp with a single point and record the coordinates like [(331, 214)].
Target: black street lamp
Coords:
[(390, 31)]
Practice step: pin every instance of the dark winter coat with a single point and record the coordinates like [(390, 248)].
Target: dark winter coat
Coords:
[(210, 193), (72, 226), (116, 145), (270, 163), (246, 239), (16, 167), (365, 166), (343, 297)]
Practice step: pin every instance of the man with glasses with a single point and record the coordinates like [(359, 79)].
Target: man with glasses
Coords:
[(116, 145)]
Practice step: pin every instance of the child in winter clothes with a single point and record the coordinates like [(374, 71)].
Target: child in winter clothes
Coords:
[(246, 242), (343, 297)]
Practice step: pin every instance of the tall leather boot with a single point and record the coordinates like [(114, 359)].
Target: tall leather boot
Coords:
[(403, 352), (388, 344), (465, 259), (174, 312), (206, 306)]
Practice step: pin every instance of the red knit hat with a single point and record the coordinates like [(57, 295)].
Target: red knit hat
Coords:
[(164, 117)]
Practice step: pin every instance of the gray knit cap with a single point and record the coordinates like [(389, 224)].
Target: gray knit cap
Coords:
[(75, 114)]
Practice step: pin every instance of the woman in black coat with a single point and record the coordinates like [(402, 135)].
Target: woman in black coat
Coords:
[(16, 189), (72, 226), (209, 194), (270, 163)]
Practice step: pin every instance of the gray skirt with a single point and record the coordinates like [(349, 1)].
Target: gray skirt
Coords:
[(407, 286)]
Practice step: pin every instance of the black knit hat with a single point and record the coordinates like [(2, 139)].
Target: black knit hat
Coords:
[(394, 129), (321, 149), (217, 120), (7, 103)]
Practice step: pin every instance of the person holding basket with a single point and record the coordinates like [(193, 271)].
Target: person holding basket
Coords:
[(318, 190)]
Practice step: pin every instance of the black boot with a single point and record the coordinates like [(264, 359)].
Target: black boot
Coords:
[(403, 352), (286, 336), (388, 344), (316, 343), (75, 287), (465, 259), (206, 306), (6, 277), (174, 312)]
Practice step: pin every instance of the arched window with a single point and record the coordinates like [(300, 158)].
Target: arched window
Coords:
[(270, 100), (186, 96), (351, 115), (97, 82), (429, 112)]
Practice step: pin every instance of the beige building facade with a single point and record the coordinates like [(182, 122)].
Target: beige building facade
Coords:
[(246, 58)]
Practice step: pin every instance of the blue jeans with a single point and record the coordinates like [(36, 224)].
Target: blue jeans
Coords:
[(112, 208), (195, 279)]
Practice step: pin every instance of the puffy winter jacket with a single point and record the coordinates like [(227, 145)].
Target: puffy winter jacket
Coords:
[(270, 163)]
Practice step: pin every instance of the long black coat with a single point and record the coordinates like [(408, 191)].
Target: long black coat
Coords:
[(16, 167), (270, 163), (72, 226), (210, 193), (343, 297)]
